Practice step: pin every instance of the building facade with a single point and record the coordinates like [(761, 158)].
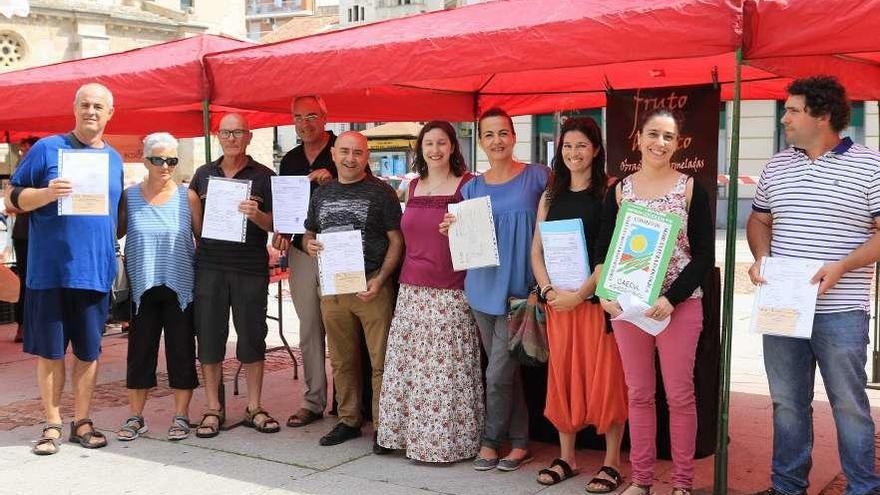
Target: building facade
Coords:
[(62, 30)]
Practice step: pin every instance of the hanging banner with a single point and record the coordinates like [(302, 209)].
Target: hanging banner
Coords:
[(697, 156), (697, 153)]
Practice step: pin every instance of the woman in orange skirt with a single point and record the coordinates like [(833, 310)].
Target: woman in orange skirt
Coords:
[(585, 384)]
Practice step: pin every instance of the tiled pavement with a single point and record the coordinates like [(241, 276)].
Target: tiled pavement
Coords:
[(243, 461)]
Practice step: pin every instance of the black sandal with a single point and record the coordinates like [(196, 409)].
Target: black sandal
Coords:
[(85, 440), (608, 486), (47, 440), (215, 429), (567, 472)]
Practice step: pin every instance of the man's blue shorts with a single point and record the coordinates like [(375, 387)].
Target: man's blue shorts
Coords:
[(54, 317)]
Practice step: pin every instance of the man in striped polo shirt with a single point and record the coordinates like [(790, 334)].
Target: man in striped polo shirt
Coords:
[(820, 200)]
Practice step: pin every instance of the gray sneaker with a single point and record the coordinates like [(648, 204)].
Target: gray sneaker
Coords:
[(514, 464), (481, 464)]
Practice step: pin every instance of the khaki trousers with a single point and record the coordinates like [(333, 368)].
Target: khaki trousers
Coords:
[(306, 302), (345, 316)]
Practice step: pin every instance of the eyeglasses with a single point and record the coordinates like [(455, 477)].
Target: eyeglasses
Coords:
[(159, 161), (299, 119), (226, 133)]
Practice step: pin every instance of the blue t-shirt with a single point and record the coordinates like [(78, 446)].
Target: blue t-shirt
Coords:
[(514, 209), (75, 252)]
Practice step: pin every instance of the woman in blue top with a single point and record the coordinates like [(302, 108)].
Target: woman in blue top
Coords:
[(514, 189), (157, 220)]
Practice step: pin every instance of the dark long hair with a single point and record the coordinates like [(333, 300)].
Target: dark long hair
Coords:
[(561, 178), (456, 160), (494, 112)]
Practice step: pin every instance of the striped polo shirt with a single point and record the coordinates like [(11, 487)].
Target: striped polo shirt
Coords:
[(823, 210), (159, 246)]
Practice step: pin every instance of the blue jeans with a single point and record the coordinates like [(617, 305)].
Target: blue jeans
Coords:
[(839, 346)]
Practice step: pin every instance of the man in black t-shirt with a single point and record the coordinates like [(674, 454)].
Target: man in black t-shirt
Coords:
[(357, 201), (311, 158), (236, 275)]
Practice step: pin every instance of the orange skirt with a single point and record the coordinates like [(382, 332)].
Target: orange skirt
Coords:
[(585, 383)]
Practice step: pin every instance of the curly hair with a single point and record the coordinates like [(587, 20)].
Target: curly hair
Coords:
[(457, 164), (824, 95), (560, 179)]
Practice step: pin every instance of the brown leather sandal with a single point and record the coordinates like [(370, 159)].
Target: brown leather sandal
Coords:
[(46, 440), (250, 421), (303, 417), (85, 440)]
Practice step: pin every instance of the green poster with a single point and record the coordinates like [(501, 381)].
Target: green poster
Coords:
[(639, 254)]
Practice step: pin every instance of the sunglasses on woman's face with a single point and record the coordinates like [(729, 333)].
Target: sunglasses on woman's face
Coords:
[(159, 161)]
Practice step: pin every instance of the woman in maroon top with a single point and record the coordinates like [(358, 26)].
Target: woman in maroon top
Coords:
[(432, 393)]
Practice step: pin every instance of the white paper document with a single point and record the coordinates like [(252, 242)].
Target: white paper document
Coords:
[(472, 241), (565, 253), (89, 174), (786, 303), (634, 312), (341, 263), (290, 203), (223, 221)]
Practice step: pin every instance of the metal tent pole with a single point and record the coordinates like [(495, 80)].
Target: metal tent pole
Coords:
[(720, 487), (206, 123)]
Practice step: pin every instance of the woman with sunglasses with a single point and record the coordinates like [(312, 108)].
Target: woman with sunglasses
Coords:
[(157, 220)]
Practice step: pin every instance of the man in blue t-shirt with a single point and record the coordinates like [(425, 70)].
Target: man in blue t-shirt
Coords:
[(71, 262)]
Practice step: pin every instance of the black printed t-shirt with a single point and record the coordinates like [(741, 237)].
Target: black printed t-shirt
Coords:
[(369, 205), (251, 256), (296, 163)]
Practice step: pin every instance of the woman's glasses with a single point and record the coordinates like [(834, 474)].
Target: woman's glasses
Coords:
[(159, 161)]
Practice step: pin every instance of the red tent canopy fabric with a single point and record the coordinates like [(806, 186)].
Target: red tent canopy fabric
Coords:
[(800, 38), (160, 87), (528, 56)]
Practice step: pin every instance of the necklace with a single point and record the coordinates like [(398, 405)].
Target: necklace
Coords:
[(430, 192)]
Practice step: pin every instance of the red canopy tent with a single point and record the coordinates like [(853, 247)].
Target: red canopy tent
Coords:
[(839, 38), (528, 56), (160, 87)]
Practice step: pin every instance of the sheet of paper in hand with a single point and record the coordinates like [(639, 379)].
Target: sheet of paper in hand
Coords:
[(565, 253), (89, 173), (472, 241), (223, 220), (290, 203), (786, 303), (639, 254), (341, 263)]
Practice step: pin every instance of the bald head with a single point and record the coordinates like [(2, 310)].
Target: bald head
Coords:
[(95, 89), (234, 121), (351, 156), (92, 108), (355, 137), (235, 135)]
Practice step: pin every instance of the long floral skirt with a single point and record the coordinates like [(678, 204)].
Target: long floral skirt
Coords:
[(432, 391)]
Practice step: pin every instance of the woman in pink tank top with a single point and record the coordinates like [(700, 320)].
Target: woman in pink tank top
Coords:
[(659, 186), (431, 402)]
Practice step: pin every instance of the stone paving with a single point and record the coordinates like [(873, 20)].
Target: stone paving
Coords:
[(242, 461)]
